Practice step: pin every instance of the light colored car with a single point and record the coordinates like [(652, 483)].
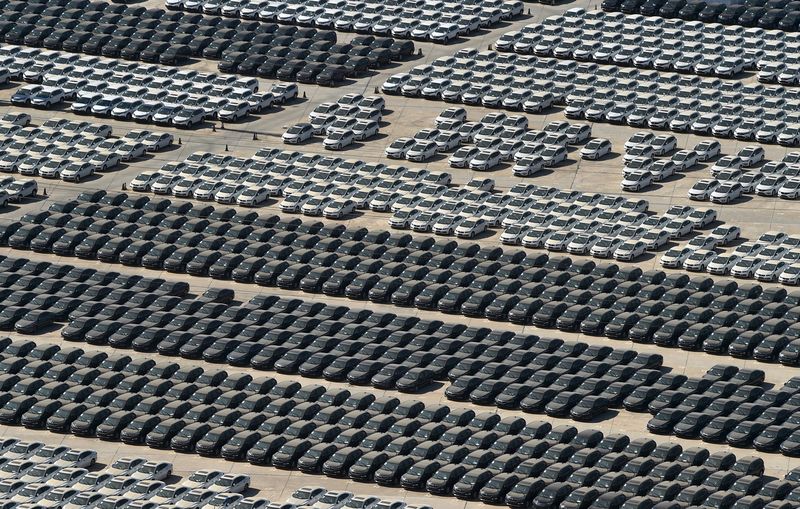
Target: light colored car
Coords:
[(770, 270), (422, 150), (727, 192), (707, 149), (685, 159), (252, 196), (157, 141), (674, 258), (20, 189), (722, 264), (298, 133), (485, 160), (234, 111), (399, 148), (790, 190), (528, 166), (637, 180), (470, 228), (306, 496), (702, 189), (790, 275), (337, 209), (595, 149), (75, 172), (746, 266), (699, 260), (630, 250), (230, 483), (537, 236), (338, 140), (365, 129)]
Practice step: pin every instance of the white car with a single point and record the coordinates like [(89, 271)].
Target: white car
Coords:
[(144, 181), (595, 149), (637, 180), (131, 150), (298, 133), (399, 148), (553, 155), (157, 141), (708, 149), (528, 166), (230, 483), (790, 190), (485, 160), (338, 140), (252, 196), (727, 192), (685, 159), (770, 185), (166, 184), (153, 471), (75, 172), (188, 117), (234, 110), (751, 155), (447, 224), (770, 270), (338, 209), (702, 189), (77, 458), (747, 266), (629, 250), (698, 260), (306, 496), (422, 150), (655, 239), (20, 189), (536, 237), (462, 157), (470, 228), (679, 228), (365, 129), (202, 479), (559, 240), (790, 275), (455, 113), (722, 264), (675, 257), (662, 170), (639, 138)]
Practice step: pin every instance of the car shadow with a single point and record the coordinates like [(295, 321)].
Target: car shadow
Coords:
[(745, 198), (610, 155), (171, 148), (377, 137), (673, 178)]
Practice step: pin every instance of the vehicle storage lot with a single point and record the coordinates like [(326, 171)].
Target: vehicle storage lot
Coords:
[(754, 215)]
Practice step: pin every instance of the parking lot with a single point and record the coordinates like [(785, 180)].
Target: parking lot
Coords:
[(404, 117)]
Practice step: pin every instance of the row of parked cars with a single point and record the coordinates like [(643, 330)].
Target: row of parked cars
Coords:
[(309, 496), (494, 139), (142, 93), (773, 16), (337, 186), (604, 93), (431, 274), (304, 54), (438, 22), (657, 43), (70, 150), (772, 258), (351, 118), (422, 201), (450, 452), (156, 36), (35, 474)]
